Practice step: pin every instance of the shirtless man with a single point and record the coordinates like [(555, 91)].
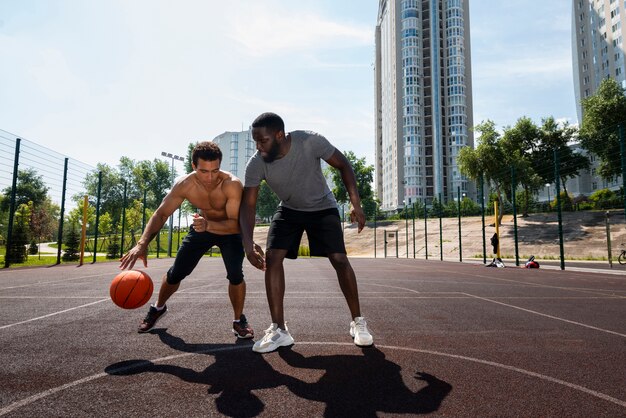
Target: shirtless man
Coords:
[(217, 194)]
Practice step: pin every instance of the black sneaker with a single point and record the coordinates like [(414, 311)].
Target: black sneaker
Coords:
[(151, 318), (242, 329)]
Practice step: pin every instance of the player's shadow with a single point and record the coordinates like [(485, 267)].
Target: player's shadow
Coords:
[(236, 371), (362, 386)]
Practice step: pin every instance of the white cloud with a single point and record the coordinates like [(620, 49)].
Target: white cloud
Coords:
[(55, 78), (264, 32)]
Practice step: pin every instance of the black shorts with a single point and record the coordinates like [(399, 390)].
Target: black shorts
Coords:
[(196, 244), (323, 228)]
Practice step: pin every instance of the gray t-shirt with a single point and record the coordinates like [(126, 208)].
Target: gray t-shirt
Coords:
[(297, 177)]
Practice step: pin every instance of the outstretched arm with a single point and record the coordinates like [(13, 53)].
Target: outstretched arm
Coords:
[(341, 163), (247, 215), (170, 203)]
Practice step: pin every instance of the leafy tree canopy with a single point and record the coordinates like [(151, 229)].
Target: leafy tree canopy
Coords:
[(602, 113), (30, 187)]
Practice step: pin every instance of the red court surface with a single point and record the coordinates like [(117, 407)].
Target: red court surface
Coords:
[(451, 339)]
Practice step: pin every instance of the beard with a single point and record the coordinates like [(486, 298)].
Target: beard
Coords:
[(272, 153)]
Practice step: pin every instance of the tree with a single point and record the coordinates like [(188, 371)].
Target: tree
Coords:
[(16, 253), (134, 219), (111, 193), (43, 220), (152, 176), (557, 137), (364, 176), (520, 143), (602, 113), (72, 243), (105, 226), (30, 187), (267, 202), (488, 159), (188, 160)]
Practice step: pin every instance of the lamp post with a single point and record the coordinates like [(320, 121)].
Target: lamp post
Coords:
[(548, 186), (171, 228)]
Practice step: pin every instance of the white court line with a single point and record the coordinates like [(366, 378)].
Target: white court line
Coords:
[(392, 287), (574, 289), (510, 283), (50, 297), (31, 399), (186, 290), (53, 314), (51, 282), (547, 316)]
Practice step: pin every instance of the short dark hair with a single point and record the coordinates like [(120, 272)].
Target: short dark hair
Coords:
[(269, 120), (208, 151)]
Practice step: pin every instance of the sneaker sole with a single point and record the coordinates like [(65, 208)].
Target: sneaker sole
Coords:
[(364, 345), (153, 325), (360, 345), (263, 351), (244, 337)]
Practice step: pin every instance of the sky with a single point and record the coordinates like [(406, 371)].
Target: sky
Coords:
[(100, 79)]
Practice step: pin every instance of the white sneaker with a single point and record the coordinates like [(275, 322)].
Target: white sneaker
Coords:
[(274, 337), (358, 331)]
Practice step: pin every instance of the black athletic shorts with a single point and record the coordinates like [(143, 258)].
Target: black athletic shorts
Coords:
[(323, 228), (196, 244)]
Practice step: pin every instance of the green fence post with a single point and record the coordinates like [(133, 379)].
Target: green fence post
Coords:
[(425, 229), (458, 195), (178, 234), (406, 230), (16, 163), (513, 180), (558, 204), (123, 219), (95, 237), (143, 214), (440, 229), (375, 216), (622, 148), (413, 215), (482, 214), (62, 215)]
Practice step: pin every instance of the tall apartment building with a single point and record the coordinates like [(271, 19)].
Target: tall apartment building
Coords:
[(423, 100), (237, 148), (597, 45)]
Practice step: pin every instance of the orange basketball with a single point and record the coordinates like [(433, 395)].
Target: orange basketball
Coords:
[(131, 289)]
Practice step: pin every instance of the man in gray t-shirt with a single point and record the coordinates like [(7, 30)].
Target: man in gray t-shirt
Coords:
[(290, 164)]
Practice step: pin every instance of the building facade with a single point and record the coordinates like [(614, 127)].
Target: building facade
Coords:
[(597, 45), (237, 148), (423, 100)]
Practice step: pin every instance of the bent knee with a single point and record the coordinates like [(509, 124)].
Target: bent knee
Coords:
[(235, 279)]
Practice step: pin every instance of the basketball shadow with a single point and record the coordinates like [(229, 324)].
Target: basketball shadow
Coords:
[(234, 374), (362, 386)]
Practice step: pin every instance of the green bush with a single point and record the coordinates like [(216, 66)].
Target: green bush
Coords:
[(304, 251), (113, 249), (72, 242), (32, 248)]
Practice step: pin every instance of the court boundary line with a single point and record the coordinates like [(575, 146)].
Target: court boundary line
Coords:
[(52, 314), (33, 398), (547, 315)]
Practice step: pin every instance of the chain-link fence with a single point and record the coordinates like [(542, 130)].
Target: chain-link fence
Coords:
[(52, 209), (53, 206), (574, 215)]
